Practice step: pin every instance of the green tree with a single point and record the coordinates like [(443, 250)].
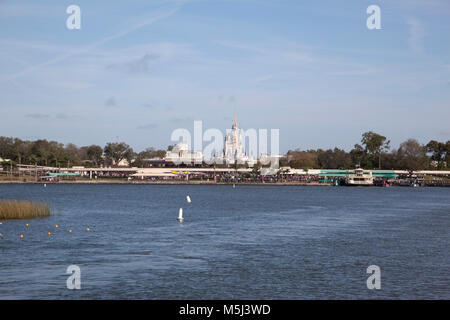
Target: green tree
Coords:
[(375, 144), (302, 159), (412, 155), (73, 154), (117, 151), (334, 159), (149, 153), (95, 154), (439, 152), (447, 153), (359, 156)]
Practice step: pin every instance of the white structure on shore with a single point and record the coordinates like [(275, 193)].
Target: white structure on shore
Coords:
[(180, 153)]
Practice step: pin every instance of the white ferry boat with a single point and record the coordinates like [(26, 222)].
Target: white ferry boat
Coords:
[(359, 178)]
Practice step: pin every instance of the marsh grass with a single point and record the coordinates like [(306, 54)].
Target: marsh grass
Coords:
[(13, 209)]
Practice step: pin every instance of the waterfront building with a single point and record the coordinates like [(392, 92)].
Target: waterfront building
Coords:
[(180, 153), (122, 163)]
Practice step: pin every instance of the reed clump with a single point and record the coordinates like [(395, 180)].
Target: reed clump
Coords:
[(13, 209)]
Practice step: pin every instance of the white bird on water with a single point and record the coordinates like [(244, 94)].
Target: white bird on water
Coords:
[(188, 199), (180, 215)]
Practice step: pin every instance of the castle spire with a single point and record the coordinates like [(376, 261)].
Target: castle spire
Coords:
[(235, 122)]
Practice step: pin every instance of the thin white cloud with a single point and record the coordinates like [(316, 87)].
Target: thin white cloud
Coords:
[(98, 43), (73, 85), (33, 45), (37, 115), (295, 55)]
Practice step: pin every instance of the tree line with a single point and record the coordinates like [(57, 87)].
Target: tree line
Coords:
[(373, 152), (51, 153)]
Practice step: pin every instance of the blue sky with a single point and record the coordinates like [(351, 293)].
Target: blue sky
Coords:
[(139, 69)]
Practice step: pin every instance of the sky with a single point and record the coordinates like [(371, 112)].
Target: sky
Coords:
[(139, 69)]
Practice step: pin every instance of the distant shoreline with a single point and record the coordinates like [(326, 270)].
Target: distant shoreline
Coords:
[(209, 183), (199, 183)]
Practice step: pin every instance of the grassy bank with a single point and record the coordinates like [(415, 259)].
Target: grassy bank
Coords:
[(13, 209)]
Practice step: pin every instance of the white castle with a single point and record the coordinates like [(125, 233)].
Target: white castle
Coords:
[(234, 149), (233, 143)]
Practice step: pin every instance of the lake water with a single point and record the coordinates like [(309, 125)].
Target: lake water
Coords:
[(251, 242)]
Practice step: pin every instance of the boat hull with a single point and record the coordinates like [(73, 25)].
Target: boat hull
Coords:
[(358, 184)]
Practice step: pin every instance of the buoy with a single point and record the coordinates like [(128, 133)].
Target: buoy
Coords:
[(1, 222), (21, 236), (1, 236), (234, 186), (180, 215), (45, 185), (26, 225), (70, 230), (56, 226), (49, 233), (188, 199), (87, 229)]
